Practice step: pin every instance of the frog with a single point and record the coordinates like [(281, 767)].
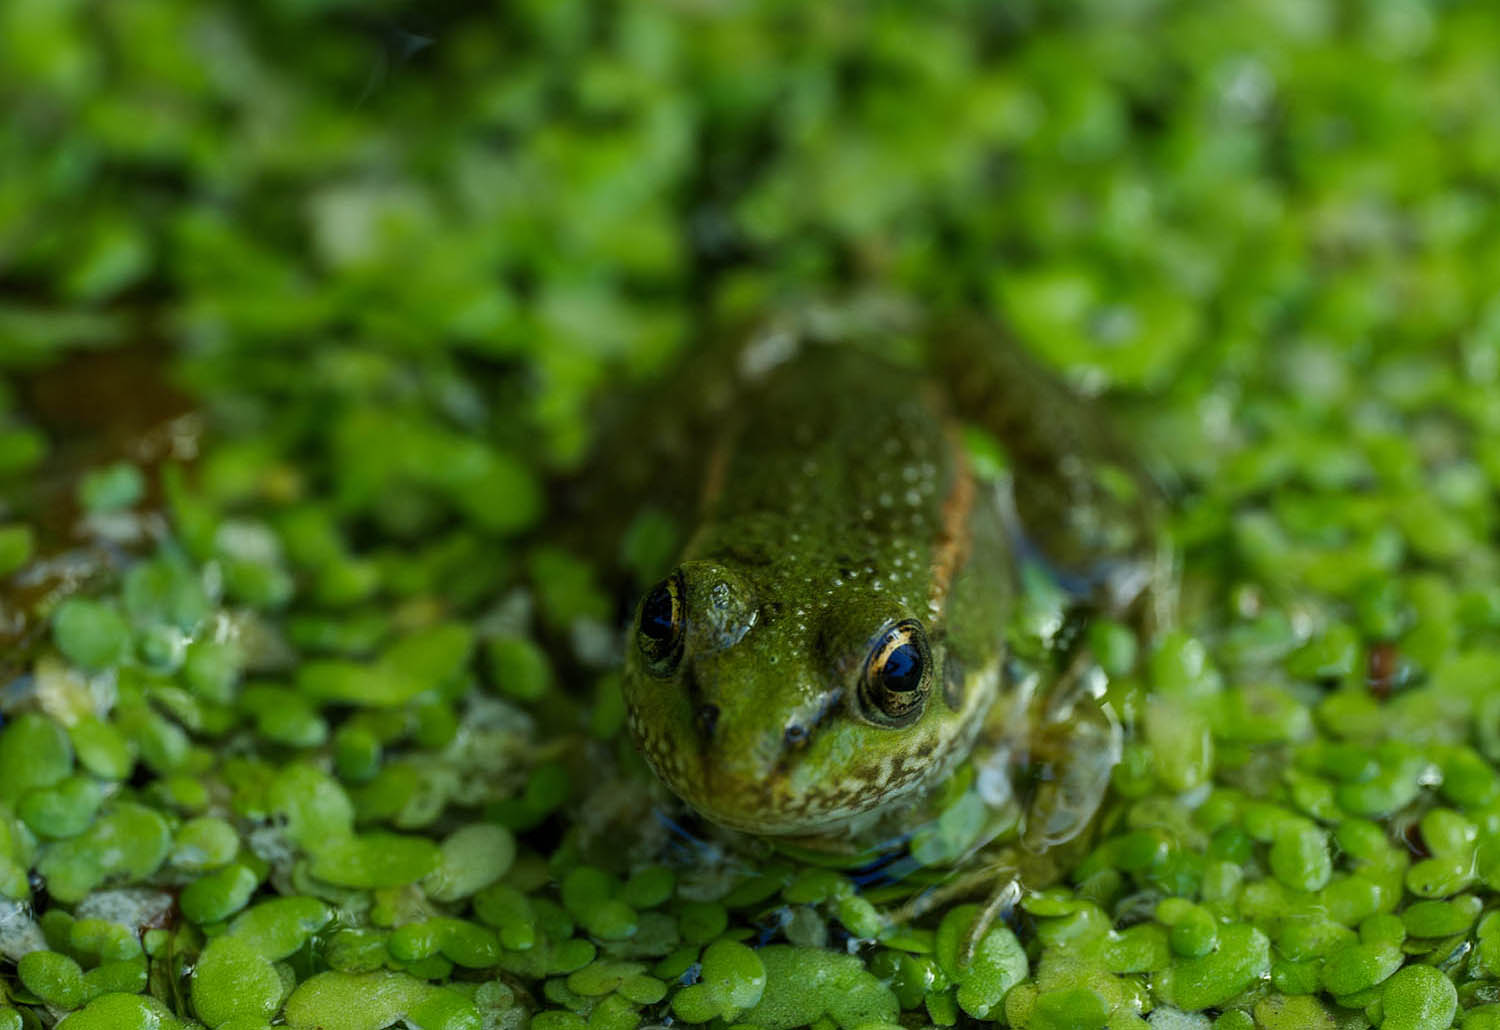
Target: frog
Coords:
[(830, 648)]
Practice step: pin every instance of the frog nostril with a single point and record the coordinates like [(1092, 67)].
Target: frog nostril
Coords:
[(706, 718)]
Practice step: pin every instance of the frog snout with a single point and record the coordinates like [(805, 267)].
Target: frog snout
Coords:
[(731, 721)]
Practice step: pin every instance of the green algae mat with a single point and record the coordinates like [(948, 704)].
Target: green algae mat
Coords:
[(306, 307)]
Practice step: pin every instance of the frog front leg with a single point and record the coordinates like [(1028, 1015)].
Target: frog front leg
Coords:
[(1071, 744), (1051, 743), (1076, 743)]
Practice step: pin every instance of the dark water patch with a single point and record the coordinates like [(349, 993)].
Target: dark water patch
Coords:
[(95, 407)]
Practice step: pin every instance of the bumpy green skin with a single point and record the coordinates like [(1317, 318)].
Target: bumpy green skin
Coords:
[(836, 501)]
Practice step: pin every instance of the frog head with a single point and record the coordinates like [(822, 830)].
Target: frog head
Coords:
[(783, 696)]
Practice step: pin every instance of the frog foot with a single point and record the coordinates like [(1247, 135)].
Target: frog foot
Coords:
[(1003, 869), (1073, 749), (1000, 880), (1010, 876), (1004, 896)]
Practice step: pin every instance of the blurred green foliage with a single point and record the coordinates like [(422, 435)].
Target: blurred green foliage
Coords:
[(397, 253), (299, 194)]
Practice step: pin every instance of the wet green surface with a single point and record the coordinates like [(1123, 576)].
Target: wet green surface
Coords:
[(336, 739)]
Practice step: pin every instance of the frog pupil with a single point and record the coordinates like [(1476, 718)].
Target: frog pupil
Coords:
[(660, 634), (902, 671), (658, 615)]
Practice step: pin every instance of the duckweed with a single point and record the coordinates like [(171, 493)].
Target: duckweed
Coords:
[(34, 753), (471, 859), (334, 738), (1441, 918), (103, 939), (17, 545), (1299, 857), (1287, 1012), (54, 978), (92, 634), (1078, 1008), (509, 911), (129, 841), (204, 843), (462, 943), (1360, 966), (1418, 997), (64, 809), (115, 486), (1194, 932), (101, 748), (122, 1012), (518, 667), (649, 887), (801, 984), (372, 1001), (316, 811), (219, 894), (997, 964), (1242, 959), (232, 980), (376, 860)]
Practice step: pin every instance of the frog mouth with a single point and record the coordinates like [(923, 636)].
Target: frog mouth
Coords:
[(763, 809), (736, 804), (729, 802), (765, 800), (764, 822)]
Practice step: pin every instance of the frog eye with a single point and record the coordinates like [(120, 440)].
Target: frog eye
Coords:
[(661, 625), (894, 685)]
